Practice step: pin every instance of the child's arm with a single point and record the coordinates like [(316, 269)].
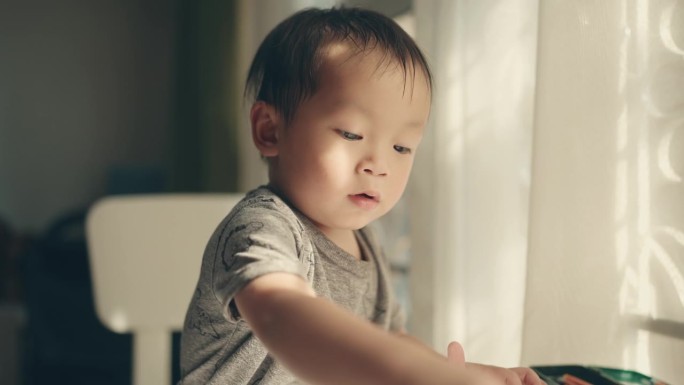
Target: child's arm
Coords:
[(322, 343)]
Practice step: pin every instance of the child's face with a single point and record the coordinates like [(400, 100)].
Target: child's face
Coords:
[(346, 157)]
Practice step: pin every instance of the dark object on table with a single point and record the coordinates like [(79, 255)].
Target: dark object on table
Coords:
[(592, 375)]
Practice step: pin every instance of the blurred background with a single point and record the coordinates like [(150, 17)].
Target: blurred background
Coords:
[(543, 224)]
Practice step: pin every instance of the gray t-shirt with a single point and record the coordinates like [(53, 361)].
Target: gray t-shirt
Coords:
[(261, 235)]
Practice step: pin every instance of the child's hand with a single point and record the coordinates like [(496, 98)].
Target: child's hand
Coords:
[(510, 376), (493, 374)]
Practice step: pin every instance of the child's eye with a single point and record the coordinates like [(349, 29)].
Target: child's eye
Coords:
[(402, 149), (349, 136)]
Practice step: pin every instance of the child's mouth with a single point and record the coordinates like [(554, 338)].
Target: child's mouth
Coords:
[(369, 195), (366, 201)]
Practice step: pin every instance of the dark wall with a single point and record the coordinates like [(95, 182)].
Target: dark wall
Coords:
[(86, 87), (96, 98)]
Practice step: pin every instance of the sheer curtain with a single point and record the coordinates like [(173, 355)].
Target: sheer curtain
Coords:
[(470, 184), (601, 266), (606, 259)]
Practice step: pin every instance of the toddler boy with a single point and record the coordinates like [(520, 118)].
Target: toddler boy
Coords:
[(293, 286)]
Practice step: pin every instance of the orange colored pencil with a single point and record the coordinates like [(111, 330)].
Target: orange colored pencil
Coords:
[(569, 379)]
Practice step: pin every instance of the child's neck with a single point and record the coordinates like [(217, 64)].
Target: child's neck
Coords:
[(343, 238), (346, 240)]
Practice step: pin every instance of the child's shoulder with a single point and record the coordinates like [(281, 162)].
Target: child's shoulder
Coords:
[(263, 205), (264, 198)]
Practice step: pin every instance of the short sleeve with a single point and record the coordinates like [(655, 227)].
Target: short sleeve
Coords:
[(253, 242)]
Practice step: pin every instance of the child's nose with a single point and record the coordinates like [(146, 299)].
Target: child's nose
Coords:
[(372, 166)]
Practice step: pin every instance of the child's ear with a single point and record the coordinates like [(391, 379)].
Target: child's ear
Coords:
[(265, 123)]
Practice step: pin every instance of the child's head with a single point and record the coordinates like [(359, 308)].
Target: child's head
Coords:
[(341, 99)]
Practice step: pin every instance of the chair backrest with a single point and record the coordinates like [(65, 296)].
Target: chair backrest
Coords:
[(145, 253)]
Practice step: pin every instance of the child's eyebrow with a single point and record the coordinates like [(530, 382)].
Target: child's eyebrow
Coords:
[(345, 105)]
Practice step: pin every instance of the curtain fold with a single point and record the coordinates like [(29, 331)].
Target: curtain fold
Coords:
[(470, 185), (606, 262)]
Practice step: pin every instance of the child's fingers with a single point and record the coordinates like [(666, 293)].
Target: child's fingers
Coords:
[(528, 376), (455, 353)]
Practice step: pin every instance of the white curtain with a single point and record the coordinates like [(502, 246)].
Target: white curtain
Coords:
[(606, 259), (470, 186), (599, 274)]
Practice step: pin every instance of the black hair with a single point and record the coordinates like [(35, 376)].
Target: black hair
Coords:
[(284, 71)]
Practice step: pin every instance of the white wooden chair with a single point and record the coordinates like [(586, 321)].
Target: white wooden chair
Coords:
[(145, 253)]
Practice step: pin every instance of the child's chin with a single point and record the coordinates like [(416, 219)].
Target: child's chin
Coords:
[(358, 225)]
